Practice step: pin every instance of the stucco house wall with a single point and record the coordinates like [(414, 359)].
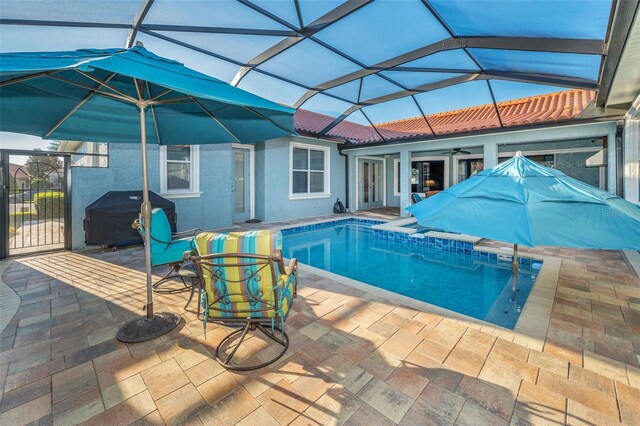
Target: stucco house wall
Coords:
[(213, 207), (273, 171), (210, 210), (488, 146)]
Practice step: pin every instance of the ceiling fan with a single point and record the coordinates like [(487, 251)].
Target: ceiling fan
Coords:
[(455, 151)]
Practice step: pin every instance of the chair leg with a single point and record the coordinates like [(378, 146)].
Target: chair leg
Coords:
[(251, 325), (172, 273), (295, 284), (199, 298), (194, 282)]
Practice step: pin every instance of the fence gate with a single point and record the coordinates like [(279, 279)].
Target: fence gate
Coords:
[(36, 202)]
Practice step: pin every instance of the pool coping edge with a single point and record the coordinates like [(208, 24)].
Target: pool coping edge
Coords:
[(530, 330)]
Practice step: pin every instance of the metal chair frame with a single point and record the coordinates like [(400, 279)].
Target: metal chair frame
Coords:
[(252, 265), (174, 267)]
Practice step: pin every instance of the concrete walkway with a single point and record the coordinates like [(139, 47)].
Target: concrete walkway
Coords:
[(9, 299)]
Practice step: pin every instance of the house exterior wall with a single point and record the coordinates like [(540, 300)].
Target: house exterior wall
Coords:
[(492, 144), (273, 177), (571, 163), (213, 207), (210, 210)]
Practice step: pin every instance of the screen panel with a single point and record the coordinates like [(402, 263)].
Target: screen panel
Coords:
[(455, 59), (460, 96), (384, 29), (414, 79), (219, 13), (309, 63), (564, 64), (375, 86), (326, 105), (271, 88), (348, 91), (314, 9), (108, 11), (22, 38), (519, 18), (509, 90), (240, 47), (206, 64), (283, 9)]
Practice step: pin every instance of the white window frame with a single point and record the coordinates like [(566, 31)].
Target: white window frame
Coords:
[(456, 164), (194, 178), (327, 172), (396, 172)]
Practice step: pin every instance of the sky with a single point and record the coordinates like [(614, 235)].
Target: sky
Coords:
[(18, 141)]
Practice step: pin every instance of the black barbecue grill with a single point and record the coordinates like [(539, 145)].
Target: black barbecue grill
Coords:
[(108, 219)]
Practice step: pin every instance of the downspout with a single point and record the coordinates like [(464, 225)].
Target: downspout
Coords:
[(346, 177), (619, 159)]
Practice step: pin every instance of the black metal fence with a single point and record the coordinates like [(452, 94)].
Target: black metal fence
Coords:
[(37, 204)]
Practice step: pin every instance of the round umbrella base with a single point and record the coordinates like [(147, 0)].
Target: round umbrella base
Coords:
[(143, 329)]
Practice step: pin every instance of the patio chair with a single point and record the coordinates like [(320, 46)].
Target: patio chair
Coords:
[(245, 284), (167, 248), (415, 198)]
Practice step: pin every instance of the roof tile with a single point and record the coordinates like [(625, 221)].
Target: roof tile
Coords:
[(550, 107)]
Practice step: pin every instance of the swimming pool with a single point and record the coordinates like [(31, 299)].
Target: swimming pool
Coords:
[(469, 283)]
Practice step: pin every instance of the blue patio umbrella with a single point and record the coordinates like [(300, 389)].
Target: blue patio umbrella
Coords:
[(131, 96), (525, 203)]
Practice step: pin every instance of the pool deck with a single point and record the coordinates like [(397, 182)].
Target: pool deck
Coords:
[(356, 357)]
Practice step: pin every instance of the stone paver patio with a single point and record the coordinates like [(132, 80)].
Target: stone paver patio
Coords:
[(355, 358)]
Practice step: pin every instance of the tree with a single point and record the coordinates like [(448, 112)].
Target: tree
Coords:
[(41, 183), (40, 166), (13, 183)]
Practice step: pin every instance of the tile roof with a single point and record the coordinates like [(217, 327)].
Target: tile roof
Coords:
[(552, 107), (15, 170)]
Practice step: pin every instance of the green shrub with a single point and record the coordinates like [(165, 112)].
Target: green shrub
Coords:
[(49, 205), (40, 183)]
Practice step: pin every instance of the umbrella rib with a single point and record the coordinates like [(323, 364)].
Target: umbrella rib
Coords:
[(98, 92), (171, 101), (74, 109), (264, 117), (160, 95), (102, 83), (215, 119), (26, 77), (135, 84), (153, 113)]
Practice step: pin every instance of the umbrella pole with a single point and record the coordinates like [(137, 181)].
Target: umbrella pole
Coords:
[(515, 268), (152, 325), (145, 212)]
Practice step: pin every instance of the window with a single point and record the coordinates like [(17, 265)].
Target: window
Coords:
[(427, 176), (424, 176), (548, 160), (545, 160), (179, 170), (85, 154), (469, 167), (309, 171)]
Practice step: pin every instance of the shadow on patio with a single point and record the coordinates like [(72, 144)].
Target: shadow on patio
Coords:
[(354, 358)]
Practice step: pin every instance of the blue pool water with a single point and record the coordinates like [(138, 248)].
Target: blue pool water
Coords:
[(455, 281)]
